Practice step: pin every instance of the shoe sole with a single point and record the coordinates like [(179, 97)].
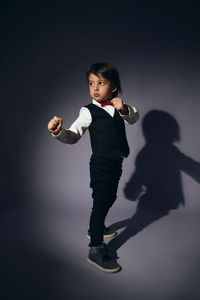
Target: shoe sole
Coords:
[(102, 269), (107, 236)]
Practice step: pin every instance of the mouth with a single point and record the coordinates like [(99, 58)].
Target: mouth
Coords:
[(96, 95)]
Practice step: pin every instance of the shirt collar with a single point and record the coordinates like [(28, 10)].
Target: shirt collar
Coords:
[(96, 103)]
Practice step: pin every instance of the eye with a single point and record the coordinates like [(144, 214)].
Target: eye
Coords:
[(101, 83), (91, 83)]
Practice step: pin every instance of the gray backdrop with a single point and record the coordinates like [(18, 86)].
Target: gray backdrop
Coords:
[(46, 199)]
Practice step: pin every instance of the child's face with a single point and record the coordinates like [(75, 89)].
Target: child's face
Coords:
[(100, 88)]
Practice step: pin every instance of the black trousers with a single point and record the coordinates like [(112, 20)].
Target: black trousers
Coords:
[(104, 175)]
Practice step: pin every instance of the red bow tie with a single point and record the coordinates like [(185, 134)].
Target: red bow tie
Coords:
[(106, 103)]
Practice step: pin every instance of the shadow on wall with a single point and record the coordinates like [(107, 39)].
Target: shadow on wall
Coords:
[(156, 181)]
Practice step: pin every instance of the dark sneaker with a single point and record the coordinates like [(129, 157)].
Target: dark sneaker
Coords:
[(97, 257), (108, 233)]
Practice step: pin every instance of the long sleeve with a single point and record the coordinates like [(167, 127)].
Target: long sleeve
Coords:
[(77, 129), (132, 116), (82, 123)]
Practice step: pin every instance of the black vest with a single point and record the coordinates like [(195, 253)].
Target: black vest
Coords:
[(107, 134)]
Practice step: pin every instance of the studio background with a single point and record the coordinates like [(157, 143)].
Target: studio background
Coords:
[(46, 200)]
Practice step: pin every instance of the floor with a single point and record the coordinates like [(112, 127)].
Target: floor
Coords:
[(44, 250)]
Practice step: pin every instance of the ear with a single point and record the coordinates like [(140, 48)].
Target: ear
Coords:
[(114, 90)]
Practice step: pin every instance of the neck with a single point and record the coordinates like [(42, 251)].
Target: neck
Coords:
[(107, 100)]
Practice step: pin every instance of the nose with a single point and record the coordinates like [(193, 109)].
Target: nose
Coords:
[(96, 87)]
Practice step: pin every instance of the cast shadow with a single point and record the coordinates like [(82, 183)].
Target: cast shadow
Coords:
[(156, 181)]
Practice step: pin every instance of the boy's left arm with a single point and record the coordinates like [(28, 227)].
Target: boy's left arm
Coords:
[(129, 113)]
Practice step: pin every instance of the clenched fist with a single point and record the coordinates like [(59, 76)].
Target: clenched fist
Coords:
[(119, 105), (55, 125)]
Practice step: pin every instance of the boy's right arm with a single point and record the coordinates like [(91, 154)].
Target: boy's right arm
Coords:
[(76, 130)]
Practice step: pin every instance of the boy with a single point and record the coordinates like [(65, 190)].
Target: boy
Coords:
[(104, 118)]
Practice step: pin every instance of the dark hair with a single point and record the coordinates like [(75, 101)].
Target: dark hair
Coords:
[(107, 71)]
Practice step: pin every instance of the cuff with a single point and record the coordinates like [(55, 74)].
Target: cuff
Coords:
[(129, 110), (57, 135)]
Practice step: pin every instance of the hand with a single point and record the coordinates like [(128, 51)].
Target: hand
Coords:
[(55, 125), (119, 105)]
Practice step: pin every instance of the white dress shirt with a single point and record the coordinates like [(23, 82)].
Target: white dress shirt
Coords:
[(82, 123)]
